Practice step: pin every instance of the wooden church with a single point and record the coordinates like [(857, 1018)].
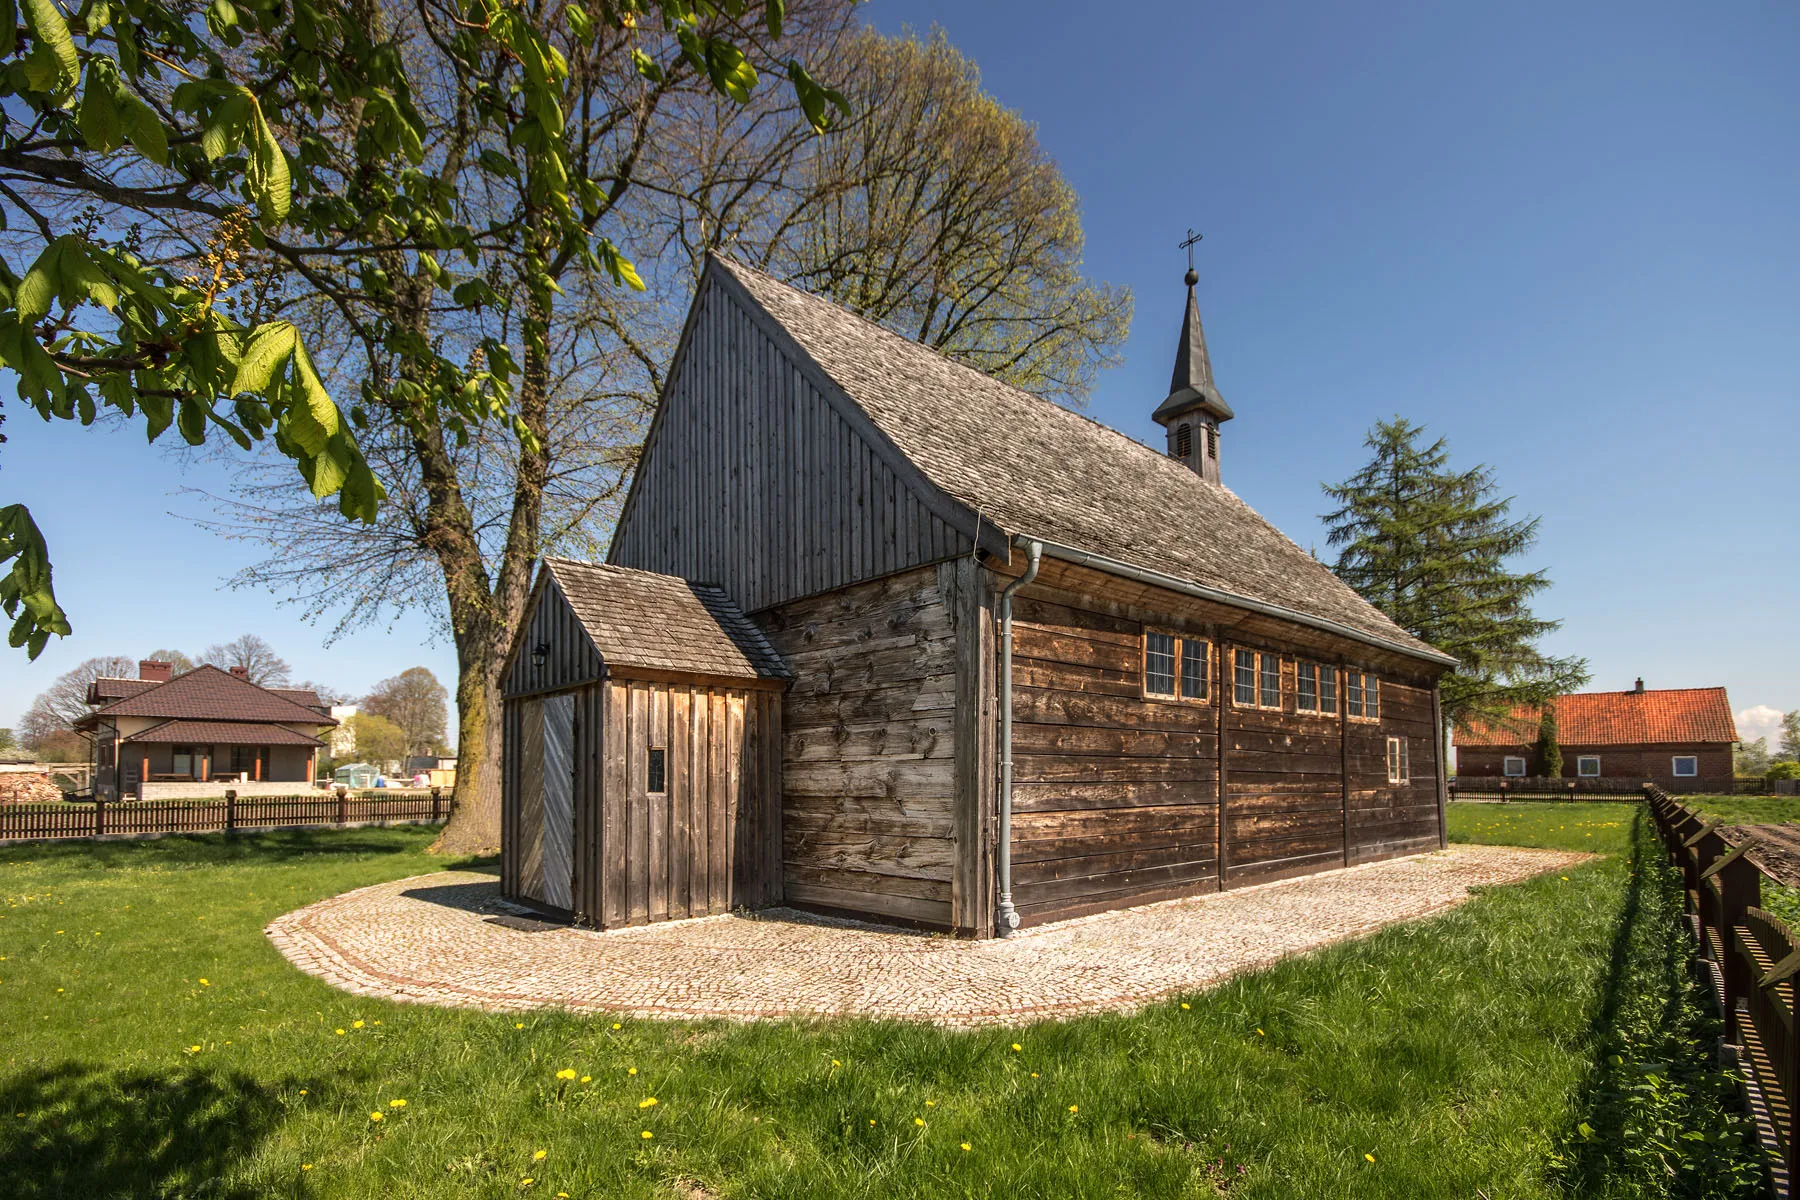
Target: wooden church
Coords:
[(881, 636)]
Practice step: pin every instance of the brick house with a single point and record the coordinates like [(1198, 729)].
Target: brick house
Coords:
[(1678, 738), (204, 726)]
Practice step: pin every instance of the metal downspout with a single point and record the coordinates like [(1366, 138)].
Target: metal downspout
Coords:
[(1008, 916)]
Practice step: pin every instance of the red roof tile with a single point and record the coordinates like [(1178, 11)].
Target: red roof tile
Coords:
[(1669, 716), (228, 733), (105, 690), (209, 694)]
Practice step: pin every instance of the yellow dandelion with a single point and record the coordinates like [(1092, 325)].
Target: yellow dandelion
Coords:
[(356, 1024), (646, 1135), (966, 1146), (306, 1166), (836, 1063), (396, 1104), (1034, 1074), (631, 1070), (566, 1073), (918, 1120), (1074, 1108), (303, 1091), (1184, 1005), (208, 982), (377, 1116), (871, 1119), (374, 1022), (1260, 1033), (1017, 1047), (193, 1049), (587, 1079), (647, 1102), (527, 1181), (518, 1024), (931, 1104), (539, 1155), (1370, 1157)]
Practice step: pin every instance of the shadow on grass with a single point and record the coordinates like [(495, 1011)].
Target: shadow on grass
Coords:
[(268, 847), (1655, 1117), (76, 1130)]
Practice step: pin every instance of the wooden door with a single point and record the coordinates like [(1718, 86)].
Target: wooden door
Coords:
[(547, 801)]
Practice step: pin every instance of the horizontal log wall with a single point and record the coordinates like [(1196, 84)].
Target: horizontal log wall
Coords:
[(1115, 797), (869, 761), (1284, 785)]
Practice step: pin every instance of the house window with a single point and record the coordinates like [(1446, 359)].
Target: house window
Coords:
[(1514, 767), (1257, 680), (1176, 666), (1686, 766), (1315, 688), (1399, 761), (1159, 664), (1196, 668), (1184, 441), (1588, 766), (181, 761), (655, 774), (1362, 696)]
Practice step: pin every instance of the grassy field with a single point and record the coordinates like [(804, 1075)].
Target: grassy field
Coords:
[(1541, 1040), (1747, 810)]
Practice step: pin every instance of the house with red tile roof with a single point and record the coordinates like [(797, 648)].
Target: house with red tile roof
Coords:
[(203, 729), (1678, 738)]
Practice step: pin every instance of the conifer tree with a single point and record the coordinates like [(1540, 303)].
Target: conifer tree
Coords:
[(1549, 750), (1431, 546)]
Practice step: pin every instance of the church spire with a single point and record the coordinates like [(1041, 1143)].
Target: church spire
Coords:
[(1193, 410)]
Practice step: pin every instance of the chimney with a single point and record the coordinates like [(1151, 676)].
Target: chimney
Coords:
[(153, 671), (244, 673), (1640, 686)]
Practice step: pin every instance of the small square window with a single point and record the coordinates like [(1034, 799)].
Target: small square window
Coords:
[(1159, 664), (1686, 766), (1588, 766), (655, 774), (1399, 762), (1514, 767), (1362, 695)]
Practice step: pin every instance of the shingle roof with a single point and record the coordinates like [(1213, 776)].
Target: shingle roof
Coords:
[(1036, 469), (662, 622), (229, 733), (305, 696), (209, 694), (1667, 716), (106, 690)]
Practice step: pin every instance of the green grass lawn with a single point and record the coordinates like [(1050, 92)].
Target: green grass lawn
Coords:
[(1538, 1041), (1746, 810)]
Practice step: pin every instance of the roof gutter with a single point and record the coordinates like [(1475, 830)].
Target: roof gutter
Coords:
[(1113, 566)]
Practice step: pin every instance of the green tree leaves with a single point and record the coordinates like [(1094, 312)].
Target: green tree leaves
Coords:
[(52, 64), (25, 591)]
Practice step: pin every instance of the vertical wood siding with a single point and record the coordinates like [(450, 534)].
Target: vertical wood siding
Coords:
[(708, 843), (869, 752), (752, 481), (1115, 797), (1389, 819), (570, 658)]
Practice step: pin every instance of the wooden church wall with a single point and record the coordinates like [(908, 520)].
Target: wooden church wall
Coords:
[(751, 480), (869, 774)]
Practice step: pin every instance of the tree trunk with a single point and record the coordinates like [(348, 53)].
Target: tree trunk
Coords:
[(474, 826)]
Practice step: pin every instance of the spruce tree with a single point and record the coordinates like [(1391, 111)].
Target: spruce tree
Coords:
[(1549, 751), (1430, 546)]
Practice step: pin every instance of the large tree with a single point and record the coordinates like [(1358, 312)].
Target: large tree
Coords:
[(464, 520), (1432, 547), (414, 701), (251, 655), (1790, 737), (165, 165), (179, 663)]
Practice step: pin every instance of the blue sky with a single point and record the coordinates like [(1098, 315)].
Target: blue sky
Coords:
[(1565, 237)]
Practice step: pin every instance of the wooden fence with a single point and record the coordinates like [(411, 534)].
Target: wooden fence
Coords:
[(1544, 787), (318, 809), (1750, 958)]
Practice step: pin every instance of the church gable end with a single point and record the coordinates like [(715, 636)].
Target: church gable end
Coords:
[(756, 477)]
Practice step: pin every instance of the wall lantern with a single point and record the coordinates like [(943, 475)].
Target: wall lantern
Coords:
[(539, 654)]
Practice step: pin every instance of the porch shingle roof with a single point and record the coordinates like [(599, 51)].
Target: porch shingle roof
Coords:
[(221, 733)]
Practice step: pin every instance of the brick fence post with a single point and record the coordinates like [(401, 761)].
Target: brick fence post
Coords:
[(230, 810)]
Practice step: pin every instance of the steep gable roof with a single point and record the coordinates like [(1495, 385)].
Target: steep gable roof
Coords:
[(662, 622), (209, 694), (1667, 716), (1035, 469)]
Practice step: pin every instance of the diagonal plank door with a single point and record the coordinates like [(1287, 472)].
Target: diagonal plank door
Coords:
[(559, 801)]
